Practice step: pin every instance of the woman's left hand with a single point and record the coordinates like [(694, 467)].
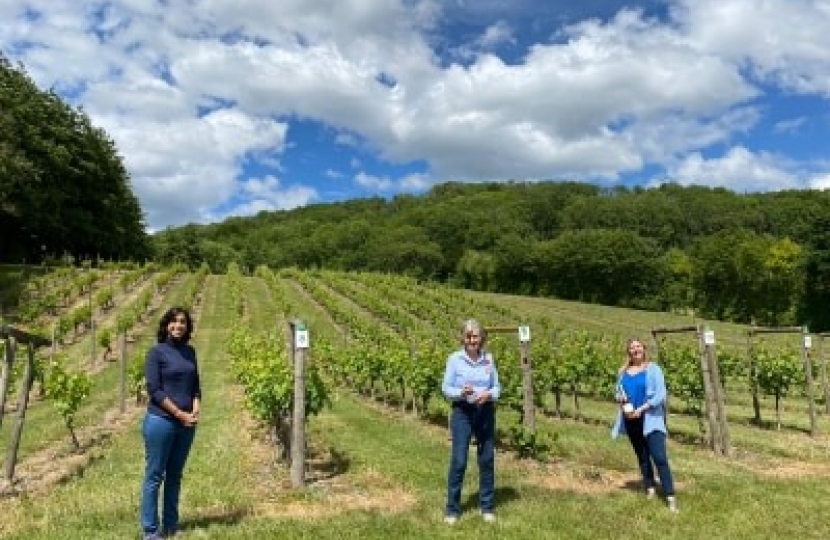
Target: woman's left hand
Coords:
[(483, 397)]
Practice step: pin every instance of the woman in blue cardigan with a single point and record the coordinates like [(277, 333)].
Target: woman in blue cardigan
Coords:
[(641, 393)]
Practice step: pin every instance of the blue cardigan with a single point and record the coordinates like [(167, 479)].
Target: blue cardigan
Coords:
[(654, 418)]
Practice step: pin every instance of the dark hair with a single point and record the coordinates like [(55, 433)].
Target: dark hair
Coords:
[(167, 318)]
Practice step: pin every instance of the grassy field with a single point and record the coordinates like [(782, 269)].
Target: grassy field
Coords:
[(377, 473)]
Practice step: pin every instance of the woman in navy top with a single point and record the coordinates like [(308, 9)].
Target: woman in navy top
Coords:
[(169, 426), (641, 393)]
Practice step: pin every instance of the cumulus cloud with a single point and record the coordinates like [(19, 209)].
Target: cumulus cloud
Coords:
[(739, 170), (256, 195), (408, 183), (194, 93), (496, 34), (181, 169), (781, 41), (820, 181)]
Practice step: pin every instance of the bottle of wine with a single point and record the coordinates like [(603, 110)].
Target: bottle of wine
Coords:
[(622, 398)]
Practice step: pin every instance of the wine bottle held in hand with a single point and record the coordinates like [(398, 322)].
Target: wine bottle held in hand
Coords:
[(622, 399)]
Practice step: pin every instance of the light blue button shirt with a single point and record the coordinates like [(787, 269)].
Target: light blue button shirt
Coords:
[(461, 370)]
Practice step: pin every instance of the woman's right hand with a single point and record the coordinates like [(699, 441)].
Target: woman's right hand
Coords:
[(188, 419)]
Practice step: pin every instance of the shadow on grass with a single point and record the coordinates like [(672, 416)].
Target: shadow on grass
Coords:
[(228, 518), (328, 465), (635, 486), (501, 496), (770, 425)]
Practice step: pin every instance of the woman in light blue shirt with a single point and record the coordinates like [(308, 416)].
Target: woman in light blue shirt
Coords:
[(472, 384), (641, 393)]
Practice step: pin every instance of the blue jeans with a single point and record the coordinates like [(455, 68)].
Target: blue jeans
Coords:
[(465, 421), (166, 445), (650, 448)]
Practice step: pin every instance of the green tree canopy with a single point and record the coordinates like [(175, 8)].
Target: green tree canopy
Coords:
[(63, 187)]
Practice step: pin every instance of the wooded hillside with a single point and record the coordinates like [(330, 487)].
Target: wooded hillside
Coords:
[(743, 257)]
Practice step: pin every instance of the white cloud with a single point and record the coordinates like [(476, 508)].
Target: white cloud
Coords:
[(266, 194), (739, 170), (412, 182), (415, 182), (791, 125), (821, 181), (373, 182), (193, 91), (182, 169), (782, 41), (589, 107), (496, 34)]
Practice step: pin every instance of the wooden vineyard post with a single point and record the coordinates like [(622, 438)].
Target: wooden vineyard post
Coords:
[(709, 398), (715, 408), (13, 336), (806, 345), (299, 348), (91, 326), (528, 407), (824, 384), (22, 405), (5, 376), (122, 365), (753, 379), (716, 400)]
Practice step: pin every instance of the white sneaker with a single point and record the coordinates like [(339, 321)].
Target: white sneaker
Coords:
[(489, 517), (450, 520), (672, 502), (651, 493)]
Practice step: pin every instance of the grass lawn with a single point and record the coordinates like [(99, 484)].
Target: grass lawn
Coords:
[(377, 473)]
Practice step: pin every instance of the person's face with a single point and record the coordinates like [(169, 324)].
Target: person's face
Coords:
[(472, 340), (177, 327), (636, 351)]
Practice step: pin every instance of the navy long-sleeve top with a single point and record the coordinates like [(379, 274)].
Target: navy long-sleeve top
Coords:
[(172, 372)]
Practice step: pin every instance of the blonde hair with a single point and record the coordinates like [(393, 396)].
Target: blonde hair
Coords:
[(628, 343), (472, 325)]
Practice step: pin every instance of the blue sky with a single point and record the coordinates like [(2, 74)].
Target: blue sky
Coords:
[(230, 107)]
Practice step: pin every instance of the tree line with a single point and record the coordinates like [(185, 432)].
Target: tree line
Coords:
[(63, 187), (759, 257)]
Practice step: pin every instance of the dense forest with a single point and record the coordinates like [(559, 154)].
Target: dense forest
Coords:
[(63, 186), (759, 257), (762, 258)]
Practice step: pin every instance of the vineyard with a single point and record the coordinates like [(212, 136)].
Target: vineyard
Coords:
[(376, 440)]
